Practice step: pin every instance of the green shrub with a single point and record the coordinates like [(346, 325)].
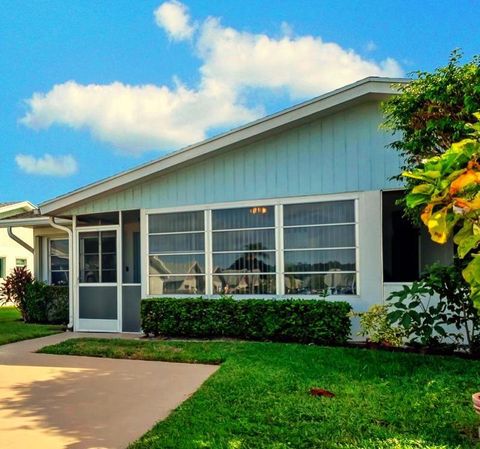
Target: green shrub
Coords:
[(438, 309), (12, 290), (376, 326), (294, 320), (46, 303)]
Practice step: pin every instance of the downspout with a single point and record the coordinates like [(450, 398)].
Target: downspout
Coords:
[(18, 240), (66, 229)]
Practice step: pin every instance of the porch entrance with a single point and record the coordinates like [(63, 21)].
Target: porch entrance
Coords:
[(99, 292)]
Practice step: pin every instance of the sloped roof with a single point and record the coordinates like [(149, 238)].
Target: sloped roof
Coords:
[(13, 208), (367, 89)]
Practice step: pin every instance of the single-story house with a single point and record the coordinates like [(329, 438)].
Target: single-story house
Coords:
[(297, 204), (15, 247)]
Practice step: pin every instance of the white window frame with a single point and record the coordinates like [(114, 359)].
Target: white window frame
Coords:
[(21, 265), (186, 253), (49, 258), (278, 204)]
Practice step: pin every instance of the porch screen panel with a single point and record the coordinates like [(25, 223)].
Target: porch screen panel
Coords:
[(243, 250), (320, 248), (177, 253)]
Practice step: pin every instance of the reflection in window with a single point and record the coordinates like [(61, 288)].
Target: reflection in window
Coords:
[(320, 248), (245, 284), (59, 264), (243, 250), (177, 253)]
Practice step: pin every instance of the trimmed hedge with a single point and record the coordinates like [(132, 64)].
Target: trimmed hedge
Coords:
[(47, 304), (289, 320)]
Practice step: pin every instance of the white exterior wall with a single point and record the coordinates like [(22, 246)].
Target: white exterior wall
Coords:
[(11, 250)]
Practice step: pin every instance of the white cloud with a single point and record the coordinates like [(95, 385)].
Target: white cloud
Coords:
[(173, 17), (139, 118), (151, 117), (303, 65), (47, 165)]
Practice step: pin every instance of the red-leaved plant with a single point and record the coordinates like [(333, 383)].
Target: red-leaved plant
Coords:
[(12, 291)]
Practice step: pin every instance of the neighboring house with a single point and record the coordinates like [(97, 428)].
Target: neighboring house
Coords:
[(297, 204), (12, 253)]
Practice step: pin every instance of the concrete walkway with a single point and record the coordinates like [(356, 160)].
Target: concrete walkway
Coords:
[(53, 401)]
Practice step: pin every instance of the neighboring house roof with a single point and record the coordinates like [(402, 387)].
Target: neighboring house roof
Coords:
[(372, 88), (12, 209)]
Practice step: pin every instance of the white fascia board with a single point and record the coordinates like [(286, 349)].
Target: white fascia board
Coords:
[(26, 206), (29, 222), (373, 86)]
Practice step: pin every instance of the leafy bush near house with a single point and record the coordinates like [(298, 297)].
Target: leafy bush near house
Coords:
[(294, 320), (12, 290), (46, 303), (376, 325), (438, 309)]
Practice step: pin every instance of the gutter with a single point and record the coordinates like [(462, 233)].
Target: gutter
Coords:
[(17, 239), (66, 229)]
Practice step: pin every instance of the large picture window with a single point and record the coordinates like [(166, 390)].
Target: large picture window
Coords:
[(320, 248), (176, 244), (291, 249), (243, 250), (59, 265)]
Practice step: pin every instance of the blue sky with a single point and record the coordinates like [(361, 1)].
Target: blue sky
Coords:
[(91, 88)]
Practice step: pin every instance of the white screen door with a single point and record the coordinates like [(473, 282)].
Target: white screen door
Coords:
[(98, 279)]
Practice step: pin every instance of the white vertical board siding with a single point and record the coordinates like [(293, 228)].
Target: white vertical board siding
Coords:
[(343, 152)]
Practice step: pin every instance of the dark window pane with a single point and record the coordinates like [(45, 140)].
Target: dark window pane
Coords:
[(109, 242), (400, 242), (263, 262), (89, 276), (325, 260), (184, 264), (58, 263), (319, 213), (246, 217), (109, 261), (176, 222), (58, 254), (109, 275), (59, 277), (315, 284), (104, 218), (181, 285), (320, 237), (176, 243), (251, 284), (91, 262), (259, 240), (90, 243)]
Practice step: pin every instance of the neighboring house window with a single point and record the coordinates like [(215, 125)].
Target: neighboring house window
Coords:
[(3, 267), (20, 262), (243, 250), (320, 248), (59, 264), (177, 253)]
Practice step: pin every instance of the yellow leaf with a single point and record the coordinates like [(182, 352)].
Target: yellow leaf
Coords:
[(467, 178), (440, 225), (426, 214)]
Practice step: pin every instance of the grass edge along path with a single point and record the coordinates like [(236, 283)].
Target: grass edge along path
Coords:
[(259, 398), (13, 329)]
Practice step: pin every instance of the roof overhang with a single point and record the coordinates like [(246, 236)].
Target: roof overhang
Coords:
[(368, 89), (10, 210), (32, 222)]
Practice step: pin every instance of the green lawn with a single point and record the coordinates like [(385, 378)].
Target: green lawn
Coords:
[(12, 328), (260, 398)]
